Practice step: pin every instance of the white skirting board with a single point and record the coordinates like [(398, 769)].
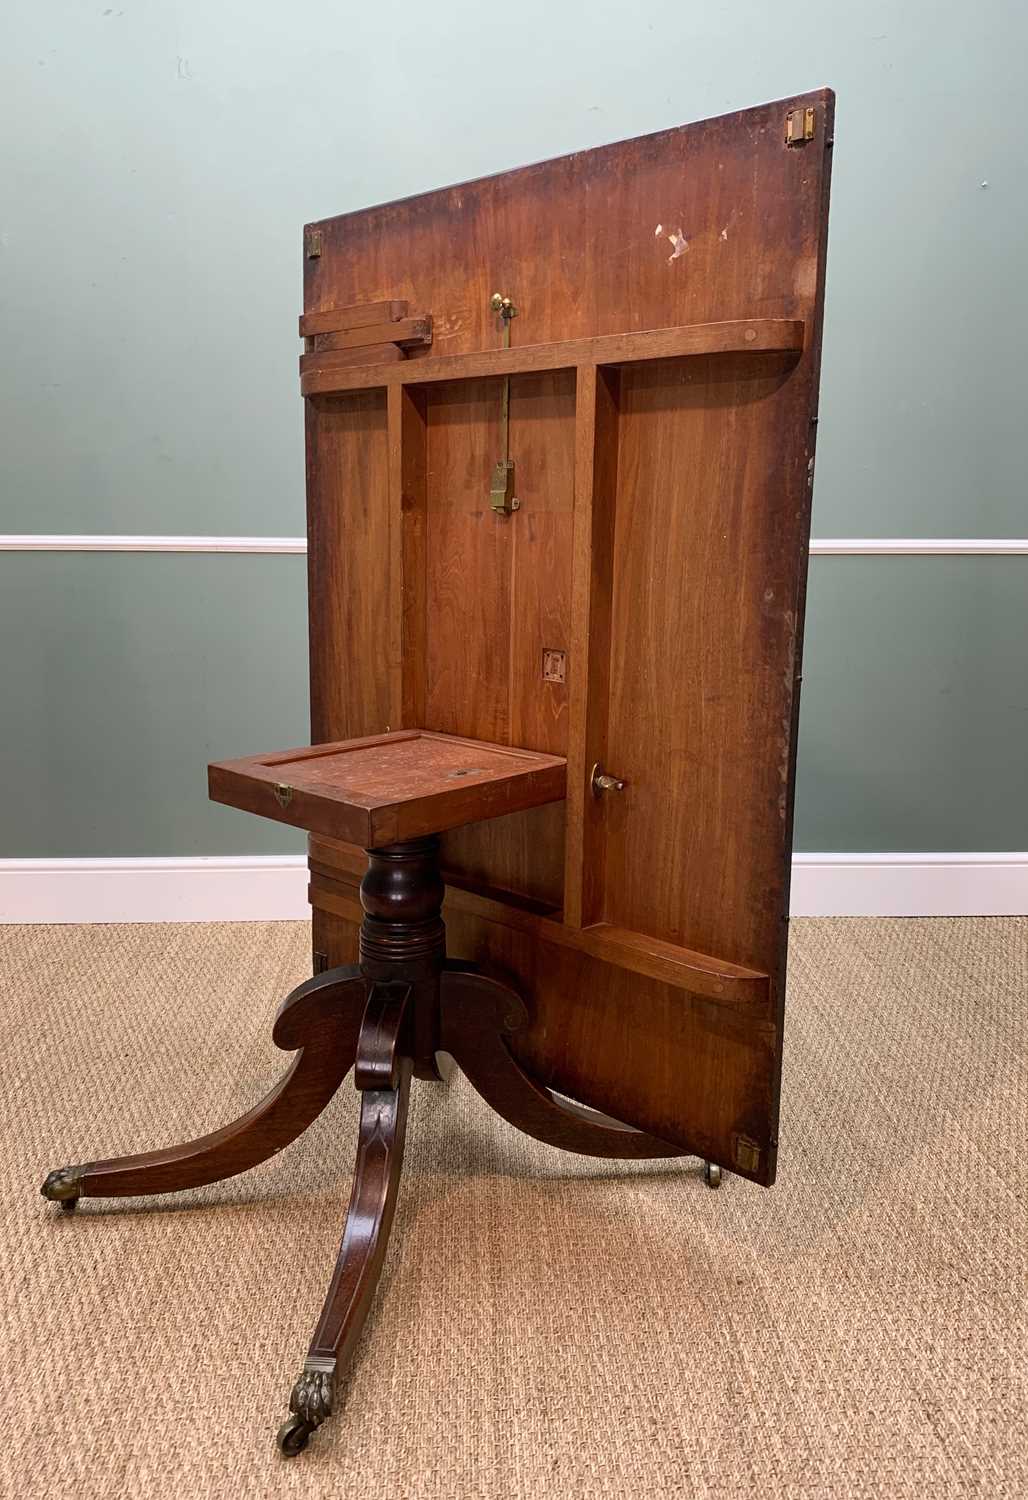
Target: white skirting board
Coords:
[(910, 885), (215, 888), (262, 888)]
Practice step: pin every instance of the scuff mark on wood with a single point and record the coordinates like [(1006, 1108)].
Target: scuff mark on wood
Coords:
[(679, 244)]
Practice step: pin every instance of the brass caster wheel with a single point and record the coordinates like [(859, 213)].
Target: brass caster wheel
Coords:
[(712, 1174), (293, 1436)]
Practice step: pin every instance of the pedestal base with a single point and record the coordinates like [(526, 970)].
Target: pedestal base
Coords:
[(387, 1018)]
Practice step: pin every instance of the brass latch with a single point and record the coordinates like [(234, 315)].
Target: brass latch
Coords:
[(799, 126), (501, 490), (601, 782), (283, 793)]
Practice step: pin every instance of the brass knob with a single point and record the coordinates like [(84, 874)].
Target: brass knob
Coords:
[(601, 782)]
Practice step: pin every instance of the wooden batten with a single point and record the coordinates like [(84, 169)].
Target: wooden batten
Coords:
[(357, 315), (596, 437), (407, 500), (334, 351), (754, 336), (699, 974)]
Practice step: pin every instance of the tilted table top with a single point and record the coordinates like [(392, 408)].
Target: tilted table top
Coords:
[(390, 787)]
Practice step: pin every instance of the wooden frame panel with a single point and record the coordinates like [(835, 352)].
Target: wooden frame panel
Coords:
[(349, 591)]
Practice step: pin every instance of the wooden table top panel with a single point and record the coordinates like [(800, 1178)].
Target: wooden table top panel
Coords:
[(677, 282)]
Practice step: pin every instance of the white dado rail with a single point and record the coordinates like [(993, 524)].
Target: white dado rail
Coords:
[(879, 546), (28, 543)]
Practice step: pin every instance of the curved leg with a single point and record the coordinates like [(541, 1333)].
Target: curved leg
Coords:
[(382, 1074), (322, 1017), (476, 1014)]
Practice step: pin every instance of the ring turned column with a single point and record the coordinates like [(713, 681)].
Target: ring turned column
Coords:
[(402, 936)]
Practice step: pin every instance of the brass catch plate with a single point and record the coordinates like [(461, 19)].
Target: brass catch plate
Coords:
[(799, 126), (555, 666), (501, 490), (747, 1154)]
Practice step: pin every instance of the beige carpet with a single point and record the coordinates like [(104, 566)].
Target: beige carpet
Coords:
[(547, 1325)]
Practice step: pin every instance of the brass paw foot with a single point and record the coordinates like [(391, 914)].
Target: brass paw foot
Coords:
[(64, 1186), (310, 1404)]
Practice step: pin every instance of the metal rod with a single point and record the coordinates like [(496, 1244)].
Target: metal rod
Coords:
[(501, 493), (505, 395)]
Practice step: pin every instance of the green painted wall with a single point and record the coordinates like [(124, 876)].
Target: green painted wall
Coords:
[(128, 674), (124, 676), (914, 714), (162, 160)]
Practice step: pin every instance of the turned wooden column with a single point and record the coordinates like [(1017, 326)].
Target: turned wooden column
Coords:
[(402, 936)]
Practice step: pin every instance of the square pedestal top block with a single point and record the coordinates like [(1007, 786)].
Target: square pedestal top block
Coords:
[(390, 787)]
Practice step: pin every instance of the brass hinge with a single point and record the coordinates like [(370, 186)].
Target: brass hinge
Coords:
[(312, 243), (799, 126)]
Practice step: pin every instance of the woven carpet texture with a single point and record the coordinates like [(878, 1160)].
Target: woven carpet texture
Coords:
[(547, 1325)]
